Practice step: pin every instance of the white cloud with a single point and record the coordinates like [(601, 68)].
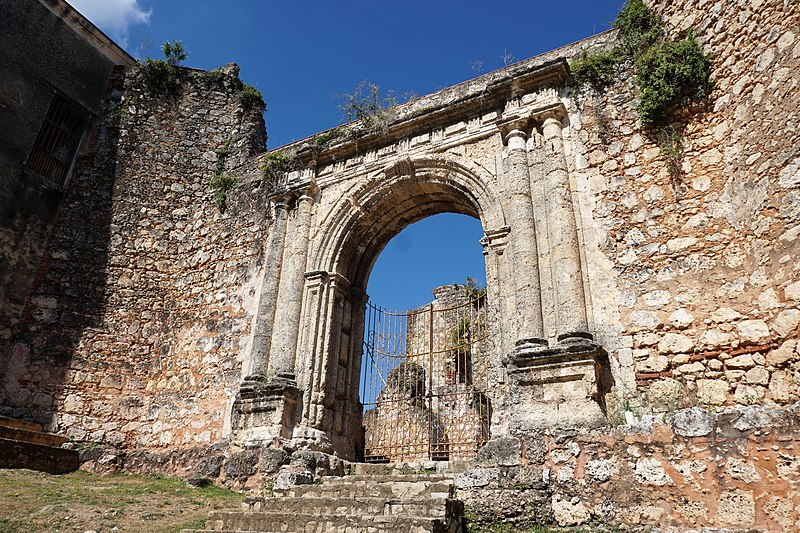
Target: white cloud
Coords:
[(114, 17)]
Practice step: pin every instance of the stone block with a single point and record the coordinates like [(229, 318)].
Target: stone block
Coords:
[(287, 480), (740, 362), (736, 508), (651, 471), (786, 322), (501, 452), (783, 354), (675, 343), (692, 422), (241, 465), (478, 477), (681, 318), (712, 391), (569, 511), (753, 331)]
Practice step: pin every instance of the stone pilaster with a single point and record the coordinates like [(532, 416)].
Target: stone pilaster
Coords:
[(287, 321), (268, 299), (570, 301), (524, 258)]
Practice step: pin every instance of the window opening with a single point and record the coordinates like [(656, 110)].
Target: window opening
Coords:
[(58, 141)]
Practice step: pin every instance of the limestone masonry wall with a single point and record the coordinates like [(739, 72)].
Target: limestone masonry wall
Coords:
[(141, 323), (695, 280), (736, 468), (134, 332)]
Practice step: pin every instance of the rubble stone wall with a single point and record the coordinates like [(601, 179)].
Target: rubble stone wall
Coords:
[(694, 280), (134, 331), (736, 468)]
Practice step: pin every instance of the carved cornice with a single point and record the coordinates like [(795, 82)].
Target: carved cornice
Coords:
[(438, 110)]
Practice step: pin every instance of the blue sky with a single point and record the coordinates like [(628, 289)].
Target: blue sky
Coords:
[(302, 55)]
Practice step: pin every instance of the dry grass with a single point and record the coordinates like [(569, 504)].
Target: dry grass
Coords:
[(78, 502)]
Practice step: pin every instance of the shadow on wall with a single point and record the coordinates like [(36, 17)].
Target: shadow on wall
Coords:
[(69, 292)]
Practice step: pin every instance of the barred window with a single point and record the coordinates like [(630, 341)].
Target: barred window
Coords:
[(58, 140)]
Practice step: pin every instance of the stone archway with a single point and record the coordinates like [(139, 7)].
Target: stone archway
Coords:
[(361, 226), (497, 156)]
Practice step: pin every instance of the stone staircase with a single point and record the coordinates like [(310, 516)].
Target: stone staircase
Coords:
[(350, 504), (24, 445)]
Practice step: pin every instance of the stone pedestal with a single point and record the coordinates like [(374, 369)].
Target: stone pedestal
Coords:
[(264, 410), (557, 386)]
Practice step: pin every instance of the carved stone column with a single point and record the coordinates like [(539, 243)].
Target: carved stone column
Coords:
[(530, 330), (268, 299), (287, 320), (572, 325)]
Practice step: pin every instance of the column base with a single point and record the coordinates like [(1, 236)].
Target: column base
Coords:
[(556, 386), (575, 337), (265, 410)]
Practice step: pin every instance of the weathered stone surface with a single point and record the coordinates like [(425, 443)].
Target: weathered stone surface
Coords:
[(712, 391), (241, 464), (741, 362), (786, 322), (600, 469), (569, 512), (287, 480), (681, 318), (692, 422), (502, 451), (651, 471), (678, 275), (753, 331), (675, 343), (477, 477), (736, 508), (272, 459), (783, 354)]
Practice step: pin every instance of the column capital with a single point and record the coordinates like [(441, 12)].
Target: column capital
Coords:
[(283, 202), (496, 240), (552, 111)]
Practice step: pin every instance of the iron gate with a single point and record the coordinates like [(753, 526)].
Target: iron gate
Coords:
[(424, 382)]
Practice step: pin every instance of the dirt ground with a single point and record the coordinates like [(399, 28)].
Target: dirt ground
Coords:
[(81, 502)]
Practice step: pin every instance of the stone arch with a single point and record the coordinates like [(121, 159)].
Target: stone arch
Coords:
[(399, 195), (351, 238)]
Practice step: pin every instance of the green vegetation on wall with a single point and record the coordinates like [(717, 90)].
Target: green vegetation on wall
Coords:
[(673, 76), (160, 75), (252, 99), (221, 181)]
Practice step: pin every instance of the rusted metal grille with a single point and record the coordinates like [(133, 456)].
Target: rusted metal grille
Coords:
[(58, 140), (424, 382)]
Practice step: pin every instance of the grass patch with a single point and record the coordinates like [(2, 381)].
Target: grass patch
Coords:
[(34, 502)]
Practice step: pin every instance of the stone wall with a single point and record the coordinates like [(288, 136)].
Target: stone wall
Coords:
[(694, 280), (134, 332), (44, 53), (736, 468)]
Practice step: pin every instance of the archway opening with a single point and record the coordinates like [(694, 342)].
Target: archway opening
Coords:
[(424, 363)]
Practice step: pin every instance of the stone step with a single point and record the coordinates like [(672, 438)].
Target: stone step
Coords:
[(328, 523), (50, 459), (349, 504), (19, 424), (383, 486), (363, 506), (33, 437)]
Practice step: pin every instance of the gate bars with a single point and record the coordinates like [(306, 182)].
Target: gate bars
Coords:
[(424, 381)]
